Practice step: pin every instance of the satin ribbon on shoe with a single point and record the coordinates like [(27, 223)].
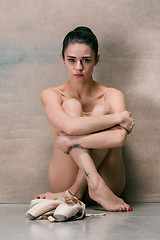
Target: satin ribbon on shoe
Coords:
[(71, 209), (59, 210)]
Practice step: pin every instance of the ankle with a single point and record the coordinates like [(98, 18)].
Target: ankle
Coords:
[(95, 184), (77, 192)]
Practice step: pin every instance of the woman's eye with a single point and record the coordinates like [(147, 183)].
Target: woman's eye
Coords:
[(71, 60), (86, 60)]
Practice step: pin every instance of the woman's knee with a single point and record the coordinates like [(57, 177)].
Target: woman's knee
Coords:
[(101, 109), (72, 106)]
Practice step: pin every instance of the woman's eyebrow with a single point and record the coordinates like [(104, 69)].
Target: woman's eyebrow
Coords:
[(87, 57), (82, 57), (71, 57)]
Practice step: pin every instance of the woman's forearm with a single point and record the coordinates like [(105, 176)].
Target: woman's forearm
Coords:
[(86, 125), (105, 139), (112, 138)]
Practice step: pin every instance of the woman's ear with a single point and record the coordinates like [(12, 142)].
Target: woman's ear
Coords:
[(97, 60), (63, 59)]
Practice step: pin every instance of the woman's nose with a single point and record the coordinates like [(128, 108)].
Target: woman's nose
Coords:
[(79, 65)]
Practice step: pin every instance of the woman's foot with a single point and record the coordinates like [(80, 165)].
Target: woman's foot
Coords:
[(54, 196), (107, 199), (66, 194)]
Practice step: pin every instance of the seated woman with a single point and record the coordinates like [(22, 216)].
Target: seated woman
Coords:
[(89, 124)]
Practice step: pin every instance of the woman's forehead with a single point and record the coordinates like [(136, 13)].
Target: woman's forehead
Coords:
[(79, 49)]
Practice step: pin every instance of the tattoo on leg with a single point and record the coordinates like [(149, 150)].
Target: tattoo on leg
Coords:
[(77, 146), (87, 174)]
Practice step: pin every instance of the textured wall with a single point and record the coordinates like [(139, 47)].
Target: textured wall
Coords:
[(31, 34)]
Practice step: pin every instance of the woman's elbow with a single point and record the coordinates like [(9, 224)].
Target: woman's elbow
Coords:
[(70, 129)]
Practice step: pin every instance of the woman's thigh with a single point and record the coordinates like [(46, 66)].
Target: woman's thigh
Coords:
[(62, 171), (99, 154), (112, 170), (109, 162)]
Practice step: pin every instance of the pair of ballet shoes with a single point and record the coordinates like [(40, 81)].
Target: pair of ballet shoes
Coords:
[(60, 210)]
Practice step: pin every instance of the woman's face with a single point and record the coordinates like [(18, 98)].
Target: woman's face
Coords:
[(79, 60)]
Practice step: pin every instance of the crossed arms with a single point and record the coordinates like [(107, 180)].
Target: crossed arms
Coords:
[(107, 131)]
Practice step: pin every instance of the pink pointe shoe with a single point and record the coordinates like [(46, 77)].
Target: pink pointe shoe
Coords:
[(71, 209), (39, 207), (61, 209)]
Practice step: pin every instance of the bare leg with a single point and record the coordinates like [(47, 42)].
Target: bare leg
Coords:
[(98, 190), (112, 170), (63, 164), (64, 173)]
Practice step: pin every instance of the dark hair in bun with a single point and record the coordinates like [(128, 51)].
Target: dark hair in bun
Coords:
[(81, 35)]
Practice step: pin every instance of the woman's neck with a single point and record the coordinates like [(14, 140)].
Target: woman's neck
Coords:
[(81, 88)]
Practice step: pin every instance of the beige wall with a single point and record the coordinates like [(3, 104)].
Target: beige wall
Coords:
[(31, 34)]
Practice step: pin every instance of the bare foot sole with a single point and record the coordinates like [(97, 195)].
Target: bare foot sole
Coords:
[(108, 200)]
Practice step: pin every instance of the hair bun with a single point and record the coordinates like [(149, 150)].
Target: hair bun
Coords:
[(83, 29)]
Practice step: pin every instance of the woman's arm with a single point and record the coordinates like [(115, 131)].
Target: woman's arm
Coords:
[(111, 138), (105, 139), (52, 101)]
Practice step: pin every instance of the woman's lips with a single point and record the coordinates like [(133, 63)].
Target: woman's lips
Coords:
[(78, 75)]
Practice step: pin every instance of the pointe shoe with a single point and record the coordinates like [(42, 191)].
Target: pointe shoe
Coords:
[(39, 207), (71, 209)]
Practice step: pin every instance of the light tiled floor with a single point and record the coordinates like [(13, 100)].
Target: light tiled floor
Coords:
[(143, 223)]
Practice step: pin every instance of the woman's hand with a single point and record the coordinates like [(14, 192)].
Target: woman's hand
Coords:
[(63, 142), (127, 121)]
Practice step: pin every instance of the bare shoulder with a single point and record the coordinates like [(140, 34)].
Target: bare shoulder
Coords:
[(51, 94), (115, 98), (113, 92)]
